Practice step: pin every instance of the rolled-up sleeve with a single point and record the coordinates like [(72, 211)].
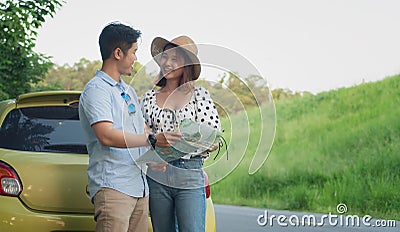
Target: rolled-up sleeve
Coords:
[(97, 104)]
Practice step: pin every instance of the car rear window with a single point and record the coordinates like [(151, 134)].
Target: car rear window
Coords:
[(43, 129)]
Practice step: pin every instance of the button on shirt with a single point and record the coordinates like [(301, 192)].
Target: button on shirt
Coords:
[(112, 167)]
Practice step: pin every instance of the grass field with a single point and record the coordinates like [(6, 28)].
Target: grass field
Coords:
[(341, 146)]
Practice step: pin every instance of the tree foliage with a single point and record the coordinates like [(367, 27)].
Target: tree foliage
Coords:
[(75, 77), (20, 66), (231, 93), (68, 77)]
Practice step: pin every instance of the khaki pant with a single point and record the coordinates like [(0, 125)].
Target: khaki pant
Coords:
[(118, 212)]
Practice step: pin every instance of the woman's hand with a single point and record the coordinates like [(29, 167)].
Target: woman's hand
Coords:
[(213, 148), (158, 167)]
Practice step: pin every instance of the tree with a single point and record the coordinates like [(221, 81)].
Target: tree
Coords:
[(75, 77), (68, 77), (20, 66), (140, 79)]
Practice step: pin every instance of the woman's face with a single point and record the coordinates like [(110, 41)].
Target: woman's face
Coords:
[(172, 63)]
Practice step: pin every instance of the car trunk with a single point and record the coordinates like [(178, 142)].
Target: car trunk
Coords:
[(53, 182)]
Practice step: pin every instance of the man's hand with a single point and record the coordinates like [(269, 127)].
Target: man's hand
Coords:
[(167, 139), (147, 130)]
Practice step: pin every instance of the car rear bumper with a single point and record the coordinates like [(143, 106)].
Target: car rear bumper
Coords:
[(210, 216), (14, 216)]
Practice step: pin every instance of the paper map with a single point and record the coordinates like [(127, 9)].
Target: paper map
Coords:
[(196, 139)]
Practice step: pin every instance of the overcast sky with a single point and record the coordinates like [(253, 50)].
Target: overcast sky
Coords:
[(303, 45)]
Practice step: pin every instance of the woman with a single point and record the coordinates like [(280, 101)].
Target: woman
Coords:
[(177, 196)]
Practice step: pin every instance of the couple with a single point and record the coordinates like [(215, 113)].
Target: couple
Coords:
[(119, 129)]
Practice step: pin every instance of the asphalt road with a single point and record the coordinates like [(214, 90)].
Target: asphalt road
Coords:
[(245, 219)]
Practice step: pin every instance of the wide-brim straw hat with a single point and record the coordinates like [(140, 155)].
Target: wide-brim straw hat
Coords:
[(188, 45)]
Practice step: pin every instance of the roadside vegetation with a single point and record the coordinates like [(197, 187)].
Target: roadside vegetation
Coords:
[(20, 66), (341, 146)]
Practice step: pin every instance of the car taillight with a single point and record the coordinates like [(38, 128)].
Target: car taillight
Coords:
[(207, 186), (10, 185), (208, 192)]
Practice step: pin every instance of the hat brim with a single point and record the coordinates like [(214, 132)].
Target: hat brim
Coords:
[(157, 48)]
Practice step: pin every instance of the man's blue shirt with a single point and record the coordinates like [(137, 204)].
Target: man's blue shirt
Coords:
[(112, 167)]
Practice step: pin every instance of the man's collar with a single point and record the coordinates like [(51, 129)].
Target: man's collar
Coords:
[(105, 77)]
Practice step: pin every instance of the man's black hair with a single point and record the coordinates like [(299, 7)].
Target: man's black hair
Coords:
[(117, 35)]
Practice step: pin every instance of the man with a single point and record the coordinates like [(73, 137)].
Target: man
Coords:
[(115, 136)]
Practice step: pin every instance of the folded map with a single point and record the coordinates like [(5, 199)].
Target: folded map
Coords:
[(197, 138)]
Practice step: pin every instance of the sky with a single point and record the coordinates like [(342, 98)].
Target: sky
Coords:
[(302, 45)]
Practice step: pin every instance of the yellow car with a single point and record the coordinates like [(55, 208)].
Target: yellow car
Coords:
[(43, 161)]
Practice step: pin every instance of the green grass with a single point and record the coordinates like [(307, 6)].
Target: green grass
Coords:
[(341, 146)]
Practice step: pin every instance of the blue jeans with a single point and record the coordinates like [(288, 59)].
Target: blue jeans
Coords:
[(178, 209)]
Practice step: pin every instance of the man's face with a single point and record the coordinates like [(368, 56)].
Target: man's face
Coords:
[(125, 66)]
